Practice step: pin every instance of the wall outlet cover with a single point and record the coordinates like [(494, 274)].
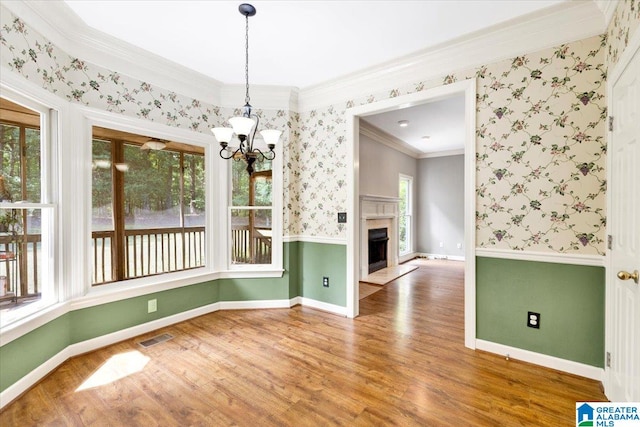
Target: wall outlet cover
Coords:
[(533, 320), (152, 305), (342, 217)]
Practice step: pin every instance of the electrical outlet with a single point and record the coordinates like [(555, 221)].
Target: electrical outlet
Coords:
[(325, 281), (152, 305), (459, 245), (442, 244), (342, 217), (533, 320)]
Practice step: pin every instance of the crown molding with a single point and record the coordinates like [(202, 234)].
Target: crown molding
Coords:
[(608, 8), (529, 33), (384, 138), (59, 24), (262, 97), (442, 154)]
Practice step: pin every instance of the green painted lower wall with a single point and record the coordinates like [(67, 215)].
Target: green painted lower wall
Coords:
[(569, 298), (318, 260), (26, 353), (99, 320)]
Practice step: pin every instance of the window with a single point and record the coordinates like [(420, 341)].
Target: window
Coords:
[(148, 207), (26, 220), (404, 229), (251, 213)]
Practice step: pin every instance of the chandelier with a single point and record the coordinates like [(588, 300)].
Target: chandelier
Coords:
[(246, 125)]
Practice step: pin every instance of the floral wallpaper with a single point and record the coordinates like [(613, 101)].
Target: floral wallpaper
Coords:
[(540, 134), (623, 25), (540, 152)]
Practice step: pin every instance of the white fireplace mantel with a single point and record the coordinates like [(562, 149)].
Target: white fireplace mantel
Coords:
[(378, 212)]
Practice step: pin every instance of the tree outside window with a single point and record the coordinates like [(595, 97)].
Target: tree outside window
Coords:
[(148, 208)]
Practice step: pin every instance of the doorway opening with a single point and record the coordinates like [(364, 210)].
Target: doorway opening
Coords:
[(468, 89)]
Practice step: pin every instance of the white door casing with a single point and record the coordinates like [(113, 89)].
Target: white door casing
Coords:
[(622, 373), (468, 87)]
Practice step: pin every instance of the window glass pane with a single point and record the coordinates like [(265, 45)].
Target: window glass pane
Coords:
[(102, 189), (32, 162), (21, 257), (151, 188), (149, 207), (194, 190), (240, 181), (404, 226), (251, 236), (10, 180)]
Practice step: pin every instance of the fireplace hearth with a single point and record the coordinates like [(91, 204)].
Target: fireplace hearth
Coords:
[(378, 242)]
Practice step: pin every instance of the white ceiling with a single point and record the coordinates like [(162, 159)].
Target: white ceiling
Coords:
[(301, 43), (442, 121)]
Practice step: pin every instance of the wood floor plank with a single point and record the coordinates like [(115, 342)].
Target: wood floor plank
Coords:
[(402, 362)]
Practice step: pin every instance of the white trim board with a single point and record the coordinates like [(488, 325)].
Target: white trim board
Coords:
[(547, 361), (315, 239), (556, 258), (324, 306)]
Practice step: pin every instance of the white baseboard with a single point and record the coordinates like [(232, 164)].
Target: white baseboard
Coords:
[(407, 257), (252, 305), (440, 256), (134, 331), (547, 361), (29, 380), (324, 306), (25, 383)]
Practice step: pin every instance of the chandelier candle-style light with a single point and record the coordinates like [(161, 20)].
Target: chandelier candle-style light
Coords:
[(246, 126)]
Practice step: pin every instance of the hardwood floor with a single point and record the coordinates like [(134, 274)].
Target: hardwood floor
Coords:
[(402, 362)]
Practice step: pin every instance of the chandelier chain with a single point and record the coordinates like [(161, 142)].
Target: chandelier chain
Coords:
[(246, 66)]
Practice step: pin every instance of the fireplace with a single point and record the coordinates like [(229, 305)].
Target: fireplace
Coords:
[(378, 242), (378, 212)]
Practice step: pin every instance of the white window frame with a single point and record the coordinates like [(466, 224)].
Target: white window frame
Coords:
[(408, 214), (50, 134), (275, 268)]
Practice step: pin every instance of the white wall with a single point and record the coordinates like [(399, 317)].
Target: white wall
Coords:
[(380, 167), (440, 187)]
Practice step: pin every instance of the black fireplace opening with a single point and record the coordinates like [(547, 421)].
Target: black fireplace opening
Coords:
[(378, 241)]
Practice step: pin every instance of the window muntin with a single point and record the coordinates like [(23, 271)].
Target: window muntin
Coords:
[(404, 220), (154, 221)]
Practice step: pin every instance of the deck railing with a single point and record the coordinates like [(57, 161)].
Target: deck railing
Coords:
[(248, 250), (20, 273), (147, 252)]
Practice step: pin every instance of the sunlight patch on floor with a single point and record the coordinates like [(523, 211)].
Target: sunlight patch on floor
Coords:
[(117, 367)]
